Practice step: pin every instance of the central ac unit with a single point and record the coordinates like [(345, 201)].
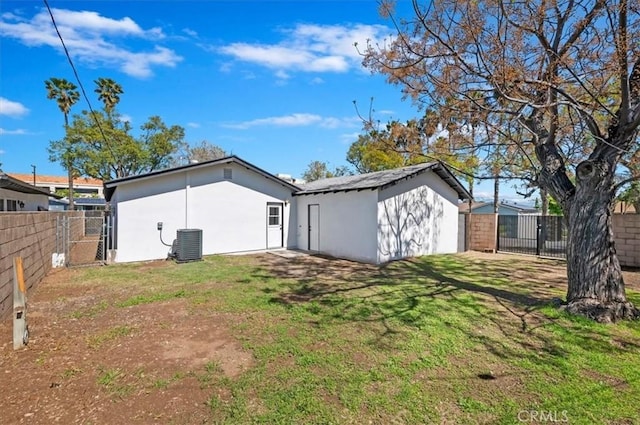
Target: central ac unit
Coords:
[(188, 246)]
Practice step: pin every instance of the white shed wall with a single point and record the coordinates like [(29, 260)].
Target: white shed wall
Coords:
[(231, 213), (418, 216), (347, 224)]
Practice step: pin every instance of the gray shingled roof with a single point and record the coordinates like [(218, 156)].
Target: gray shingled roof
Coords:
[(382, 179)]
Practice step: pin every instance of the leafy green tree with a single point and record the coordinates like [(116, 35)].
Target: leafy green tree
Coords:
[(553, 207), (108, 93), (205, 151), (317, 170), (159, 142), (400, 144), (631, 195), (66, 95), (105, 147), (373, 152), (566, 76)]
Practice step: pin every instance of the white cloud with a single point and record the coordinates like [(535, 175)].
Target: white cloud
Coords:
[(11, 108), (226, 67), (310, 48), (317, 80), (295, 120), (91, 38), (349, 138), (190, 32), (125, 118), (193, 125), (282, 75), (17, 132)]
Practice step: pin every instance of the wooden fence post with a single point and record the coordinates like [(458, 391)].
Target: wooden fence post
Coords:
[(20, 328)]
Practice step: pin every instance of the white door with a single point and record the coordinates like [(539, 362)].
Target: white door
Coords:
[(314, 227), (274, 226)]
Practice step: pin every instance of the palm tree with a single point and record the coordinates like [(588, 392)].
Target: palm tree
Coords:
[(66, 95), (109, 93)]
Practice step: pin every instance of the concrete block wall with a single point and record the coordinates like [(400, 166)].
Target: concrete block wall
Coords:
[(482, 232), (626, 229), (32, 236)]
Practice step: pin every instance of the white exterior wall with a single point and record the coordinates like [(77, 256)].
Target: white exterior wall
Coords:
[(418, 216), (31, 200), (347, 224), (231, 213)]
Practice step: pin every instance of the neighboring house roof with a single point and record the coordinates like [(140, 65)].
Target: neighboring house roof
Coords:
[(57, 180), (110, 186), (81, 201), (89, 201), (464, 207), (383, 179), (11, 183), (524, 209)]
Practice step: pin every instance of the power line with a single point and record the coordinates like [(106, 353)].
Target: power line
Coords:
[(75, 72)]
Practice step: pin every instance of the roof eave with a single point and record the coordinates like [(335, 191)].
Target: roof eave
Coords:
[(437, 167), (16, 185), (111, 185), (445, 174)]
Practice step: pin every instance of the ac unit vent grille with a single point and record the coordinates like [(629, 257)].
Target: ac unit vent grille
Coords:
[(189, 245)]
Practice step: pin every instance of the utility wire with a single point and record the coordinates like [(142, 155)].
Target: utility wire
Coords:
[(75, 72)]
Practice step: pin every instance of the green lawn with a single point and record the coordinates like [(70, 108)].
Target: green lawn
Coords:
[(440, 339)]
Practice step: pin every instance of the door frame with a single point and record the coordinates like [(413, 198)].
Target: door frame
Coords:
[(281, 205), (309, 226)]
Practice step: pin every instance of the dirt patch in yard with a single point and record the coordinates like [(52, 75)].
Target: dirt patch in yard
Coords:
[(92, 361), (140, 352)]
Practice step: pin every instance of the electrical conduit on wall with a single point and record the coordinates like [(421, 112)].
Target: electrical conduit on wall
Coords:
[(187, 186)]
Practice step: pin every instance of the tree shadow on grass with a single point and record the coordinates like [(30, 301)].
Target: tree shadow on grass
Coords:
[(480, 299)]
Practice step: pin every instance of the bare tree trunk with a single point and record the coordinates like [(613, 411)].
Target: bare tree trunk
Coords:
[(596, 286), (70, 175), (496, 194), (69, 165), (544, 201)]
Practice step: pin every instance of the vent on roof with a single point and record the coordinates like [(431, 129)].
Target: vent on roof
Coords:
[(188, 245), (227, 173)]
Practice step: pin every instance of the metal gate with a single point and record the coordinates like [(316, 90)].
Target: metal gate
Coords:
[(544, 236), (83, 238)]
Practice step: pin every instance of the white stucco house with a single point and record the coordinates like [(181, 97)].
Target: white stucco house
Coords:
[(375, 217), (238, 206), (382, 216), (16, 195)]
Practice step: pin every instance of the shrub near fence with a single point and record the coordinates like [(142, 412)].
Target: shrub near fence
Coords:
[(32, 236)]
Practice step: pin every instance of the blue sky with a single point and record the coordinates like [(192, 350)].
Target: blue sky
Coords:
[(270, 81)]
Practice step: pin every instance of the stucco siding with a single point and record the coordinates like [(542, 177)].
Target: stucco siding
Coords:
[(139, 207), (232, 213), (416, 217), (347, 224)]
